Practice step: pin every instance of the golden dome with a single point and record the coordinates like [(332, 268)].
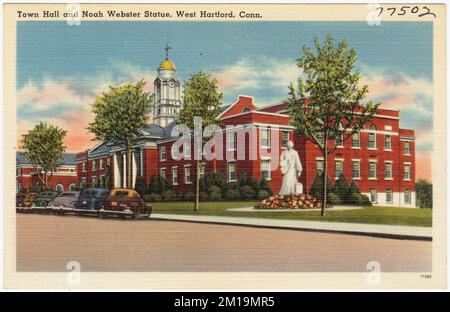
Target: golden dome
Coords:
[(167, 65)]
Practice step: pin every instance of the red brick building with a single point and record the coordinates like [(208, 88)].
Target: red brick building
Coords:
[(64, 178), (380, 159)]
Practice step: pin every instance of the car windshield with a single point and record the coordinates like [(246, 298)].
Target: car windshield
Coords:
[(90, 193), (121, 193)]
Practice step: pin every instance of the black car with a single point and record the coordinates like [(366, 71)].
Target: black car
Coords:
[(91, 199)]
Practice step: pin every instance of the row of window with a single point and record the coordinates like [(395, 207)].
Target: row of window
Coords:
[(101, 164), (389, 196), (187, 174), (356, 169)]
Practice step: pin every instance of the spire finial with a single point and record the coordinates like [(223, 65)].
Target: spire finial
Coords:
[(167, 48)]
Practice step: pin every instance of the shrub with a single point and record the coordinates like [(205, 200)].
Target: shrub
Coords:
[(340, 187), (352, 197), (364, 200), (153, 197), (247, 192), (203, 196), (154, 185), (263, 194), (212, 179), (139, 186), (232, 194), (189, 197), (334, 199), (264, 186), (316, 189), (169, 195), (215, 193), (424, 194)]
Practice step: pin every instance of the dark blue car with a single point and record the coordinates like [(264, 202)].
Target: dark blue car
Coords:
[(91, 199)]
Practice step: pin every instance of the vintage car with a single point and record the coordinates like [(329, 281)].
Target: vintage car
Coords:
[(43, 199), (29, 198), (91, 199), (20, 197), (65, 200), (123, 201)]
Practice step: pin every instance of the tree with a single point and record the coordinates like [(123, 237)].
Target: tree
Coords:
[(201, 99), (424, 193), (44, 147), (316, 189), (119, 115), (328, 106), (340, 187)]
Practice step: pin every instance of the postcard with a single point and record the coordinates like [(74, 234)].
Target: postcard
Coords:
[(224, 146)]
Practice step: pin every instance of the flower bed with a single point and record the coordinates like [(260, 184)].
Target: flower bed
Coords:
[(290, 202)]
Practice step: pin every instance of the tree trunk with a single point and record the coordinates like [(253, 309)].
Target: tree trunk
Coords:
[(197, 187), (128, 164), (325, 176)]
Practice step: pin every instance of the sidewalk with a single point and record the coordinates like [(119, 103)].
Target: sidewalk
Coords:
[(377, 230)]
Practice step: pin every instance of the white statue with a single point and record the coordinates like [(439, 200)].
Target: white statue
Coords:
[(291, 168)]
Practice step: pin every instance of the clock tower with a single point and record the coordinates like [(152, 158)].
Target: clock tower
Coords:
[(167, 93)]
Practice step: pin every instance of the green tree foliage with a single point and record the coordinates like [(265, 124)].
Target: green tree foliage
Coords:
[(340, 187), (316, 189), (201, 99), (328, 105), (263, 185), (119, 115), (140, 185), (424, 194), (353, 194), (44, 147)]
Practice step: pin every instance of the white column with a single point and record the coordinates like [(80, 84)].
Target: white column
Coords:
[(134, 167), (117, 180), (124, 179), (141, 158)]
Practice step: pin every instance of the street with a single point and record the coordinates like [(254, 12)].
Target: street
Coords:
[(48, 243)]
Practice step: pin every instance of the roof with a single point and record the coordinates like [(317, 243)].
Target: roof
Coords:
[(66, 159), (153, 130), (167, 65)]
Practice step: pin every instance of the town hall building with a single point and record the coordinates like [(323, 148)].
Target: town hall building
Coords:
[(380, 159)]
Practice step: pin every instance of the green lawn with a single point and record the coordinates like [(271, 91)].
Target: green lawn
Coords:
[(375, 215)]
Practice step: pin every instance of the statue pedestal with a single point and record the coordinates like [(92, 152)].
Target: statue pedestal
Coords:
[(298, 188)]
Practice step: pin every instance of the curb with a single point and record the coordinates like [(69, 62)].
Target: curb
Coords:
[(191, 219)]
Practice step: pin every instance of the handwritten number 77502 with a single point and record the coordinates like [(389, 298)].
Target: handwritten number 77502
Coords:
[(404, 10)]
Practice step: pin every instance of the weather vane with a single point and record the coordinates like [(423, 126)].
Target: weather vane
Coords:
[(167, 48)]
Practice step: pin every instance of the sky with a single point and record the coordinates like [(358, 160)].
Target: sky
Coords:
[(61, 67)]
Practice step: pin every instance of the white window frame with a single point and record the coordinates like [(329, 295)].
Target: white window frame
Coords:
[(389, 191), (371, 161), (94, 164), (404, 148), (268, 138), (202, 168), (358, 140), (405, 165), (94, 180), (373, 201), (391, 171), (269, 172), (359, 169), (187, 168), (174, 169), (161, 153), (409, 201), (319, 161), (283, 141), (385, 141), (84, 166), (59, 184), (101, 164), (231, 141), (229, 172), (336, 176), (374, 134), (161, 170)]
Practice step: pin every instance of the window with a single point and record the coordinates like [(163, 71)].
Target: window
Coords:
[(101, 164), (94, 181), (94, 165), (372, 137), (388, 143), (356, 174), (59, 187), (246, 110), (162, 153), (355, 140), (202, 170), (162, 173), (407, 172), (187, 174), (174, 175), (231, 171), (407, 195), (338, 170), (388, 170), (83, 167), (388, 196), (406, 148), (265, 169), (373, 195), (231, 141), (319, 164), (284, 138), (372, 170), (265, 137), (72, 187), (340, 141)]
